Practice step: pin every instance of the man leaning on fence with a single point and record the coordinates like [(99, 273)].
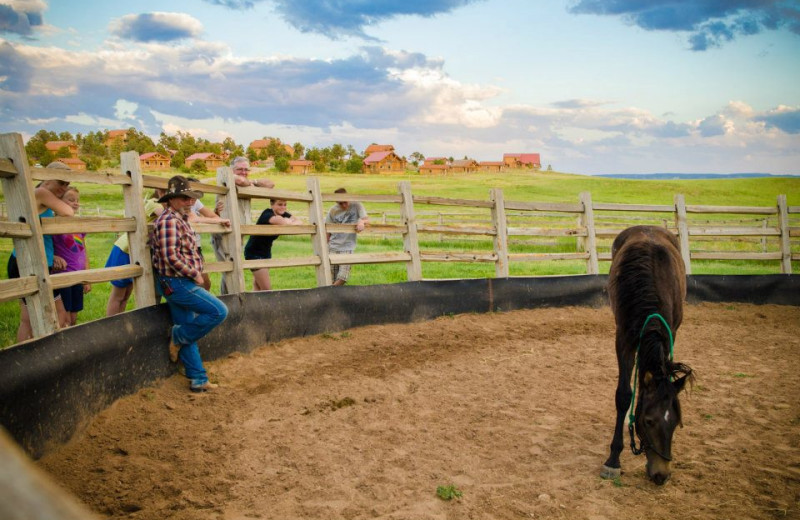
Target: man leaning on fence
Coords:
[(178, 268), (344, 212), (241, 172)]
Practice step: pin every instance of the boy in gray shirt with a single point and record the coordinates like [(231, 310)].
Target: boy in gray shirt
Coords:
[(344, 243)]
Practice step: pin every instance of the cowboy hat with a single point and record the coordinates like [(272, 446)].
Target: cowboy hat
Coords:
[(178, 186)]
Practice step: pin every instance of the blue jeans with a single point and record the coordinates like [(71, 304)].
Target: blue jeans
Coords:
[(195, 312)]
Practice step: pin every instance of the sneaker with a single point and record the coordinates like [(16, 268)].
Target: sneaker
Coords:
[(173, 351), (205, 387)]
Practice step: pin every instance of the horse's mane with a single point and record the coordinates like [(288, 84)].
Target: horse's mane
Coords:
[(636, 297)]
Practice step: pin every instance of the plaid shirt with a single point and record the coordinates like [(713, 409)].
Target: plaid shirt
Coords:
[(175, 248)]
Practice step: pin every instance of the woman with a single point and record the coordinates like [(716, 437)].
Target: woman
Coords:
[(48, 204)]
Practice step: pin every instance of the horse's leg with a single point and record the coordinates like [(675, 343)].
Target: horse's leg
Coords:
[(611, 468)]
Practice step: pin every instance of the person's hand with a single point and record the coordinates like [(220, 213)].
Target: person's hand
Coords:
[(59, 264), (219, 207), (360, 227), (199, 280), (87, 288), (225, 222)]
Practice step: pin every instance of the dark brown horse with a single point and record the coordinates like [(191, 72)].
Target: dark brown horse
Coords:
[(646, 287)]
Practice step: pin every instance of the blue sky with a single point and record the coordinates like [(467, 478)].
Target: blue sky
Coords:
[(594, 86)]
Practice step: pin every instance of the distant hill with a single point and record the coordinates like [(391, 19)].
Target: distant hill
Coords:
[(688, 176)]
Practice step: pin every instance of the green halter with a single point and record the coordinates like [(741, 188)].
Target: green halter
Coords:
[(631, 416)]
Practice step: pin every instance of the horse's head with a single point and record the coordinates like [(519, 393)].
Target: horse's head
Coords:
[(657, 415)]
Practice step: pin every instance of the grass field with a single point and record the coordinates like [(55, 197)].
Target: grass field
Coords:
[(516, 186)]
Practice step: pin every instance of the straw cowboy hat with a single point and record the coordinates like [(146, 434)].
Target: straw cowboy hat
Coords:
[(178, 186)]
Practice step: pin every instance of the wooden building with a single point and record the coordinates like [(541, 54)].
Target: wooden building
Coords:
[(116, 135), (301, 166), (378, 148), (212, 160), (74, 164), (434, 169), (260, 145), (54, 146), (383, 162), (154, 161), (464, 166), (491, 166), (522, 160)]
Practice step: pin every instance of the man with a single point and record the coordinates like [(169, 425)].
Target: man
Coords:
[(178, 268), (345, 243), (241, 171)]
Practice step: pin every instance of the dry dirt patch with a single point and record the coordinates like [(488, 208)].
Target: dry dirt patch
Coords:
[(513, 409)]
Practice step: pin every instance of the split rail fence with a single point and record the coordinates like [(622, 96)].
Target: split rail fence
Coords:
[(504, 220)]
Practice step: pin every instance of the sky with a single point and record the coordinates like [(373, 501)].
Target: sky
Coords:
[(594, 86)]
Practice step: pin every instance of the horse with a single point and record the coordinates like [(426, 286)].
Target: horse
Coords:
[(646, 289)]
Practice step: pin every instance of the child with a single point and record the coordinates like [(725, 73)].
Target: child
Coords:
[(259, 247), (120, 255), (48, 199), (72, 249)]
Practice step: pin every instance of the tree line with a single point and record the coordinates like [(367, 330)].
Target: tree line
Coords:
[(93, 150)]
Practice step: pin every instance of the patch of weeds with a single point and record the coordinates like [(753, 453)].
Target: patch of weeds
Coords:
[(334, 405), (448, 492), (708, 416), (742, 375), (149, 395), (730, 308), (344, 335), (617, 482), (700, 388), (327, 335)]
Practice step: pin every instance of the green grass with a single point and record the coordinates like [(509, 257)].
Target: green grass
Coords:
[(516, 186)]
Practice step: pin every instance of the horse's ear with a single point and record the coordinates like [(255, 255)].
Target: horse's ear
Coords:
[(679, 383)]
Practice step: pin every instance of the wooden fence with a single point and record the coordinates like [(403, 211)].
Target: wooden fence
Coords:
[(582, 221)]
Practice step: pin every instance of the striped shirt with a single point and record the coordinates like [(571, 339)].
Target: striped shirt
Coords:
[(175, 251)]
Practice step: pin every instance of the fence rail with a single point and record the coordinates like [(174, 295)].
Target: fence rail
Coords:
[(590, 226)]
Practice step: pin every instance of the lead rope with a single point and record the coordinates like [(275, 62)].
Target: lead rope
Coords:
[(631, 415)]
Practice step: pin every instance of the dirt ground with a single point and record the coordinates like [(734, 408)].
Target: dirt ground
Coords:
[(513, 409)]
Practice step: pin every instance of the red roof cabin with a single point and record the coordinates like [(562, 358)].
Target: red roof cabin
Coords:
[(523, 160), (54, 146), (74, 164), (211, 160), (154, 161), (378, 148), (383, 162)]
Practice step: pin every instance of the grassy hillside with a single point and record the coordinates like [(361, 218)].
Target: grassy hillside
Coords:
[(517, 186)]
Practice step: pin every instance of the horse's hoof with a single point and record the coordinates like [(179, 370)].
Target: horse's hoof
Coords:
[(610, 473)]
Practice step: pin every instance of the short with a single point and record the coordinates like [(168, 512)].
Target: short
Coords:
[(13, 272), (117, 258), (341, 272), (73, 298), (257, 257)]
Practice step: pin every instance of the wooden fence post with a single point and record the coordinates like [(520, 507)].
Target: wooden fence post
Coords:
[(319, 240), (587, 221), (238, 211), (501, 233), (786, 246), (22, 206), (143, 286), (410, 238), (683, 231)]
